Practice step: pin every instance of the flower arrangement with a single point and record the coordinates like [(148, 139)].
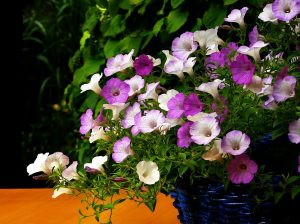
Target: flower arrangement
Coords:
[(199, 109)]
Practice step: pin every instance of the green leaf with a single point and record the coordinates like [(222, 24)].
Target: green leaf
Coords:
[(151, 204), (109, 206), (176, 3), (278, 196), (111, 48), (276, 133), (182, 156), (91, 66), (214, 16), (102, 3), (258, 3), (115, 27), (118, 201), (168, 167), (142, 10), (295, 191), (41, 26), (93, 16), (86, 35), (182, 169), (135, 2), (158, 25), (175, 20), (293, 179), (198, 25), (113, 7), (90, 101), (229, 2), (129, 42), (161, 11), (147, 40)]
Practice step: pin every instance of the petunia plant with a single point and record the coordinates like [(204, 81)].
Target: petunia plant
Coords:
[(200, 109)]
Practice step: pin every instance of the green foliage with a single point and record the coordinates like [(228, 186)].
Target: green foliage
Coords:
[(214, 16), (175, 20), (113, 27)]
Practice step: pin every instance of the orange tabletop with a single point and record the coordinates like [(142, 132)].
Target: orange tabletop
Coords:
[(36, 206)]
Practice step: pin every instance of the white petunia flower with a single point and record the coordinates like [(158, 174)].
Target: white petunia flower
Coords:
[(38, 165), (152, 121), (136, 83), (201, 115), (267, 14), (70, 173), (204, 130), (253, 51), (98, 133), (96, 165), (211, 87), (256, 85), (176, 66), (208, 40), (116, 109), (163, 99), (215, 152), (93, 84), (156, 61), (294, 131), (55, 161), (148, 172), (235, 142), (60, 191), (150, 92)]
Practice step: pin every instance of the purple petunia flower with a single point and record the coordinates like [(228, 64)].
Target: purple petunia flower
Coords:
[(175, 106), (283, 73), (241, 169), (129, 115), (242, 70), (183, 135), (215, 60), (294, 131), (253, 36), (122, 150), (118, 63), (143, 65), (184, 45), (237, 16), (286, 10), (115, 91), (235, 142), (270, 104), (87, 121), (136, 83), (284, 88), (192, 105), (176, 66)]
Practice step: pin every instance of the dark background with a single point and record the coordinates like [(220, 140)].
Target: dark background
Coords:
[(33, 77)]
